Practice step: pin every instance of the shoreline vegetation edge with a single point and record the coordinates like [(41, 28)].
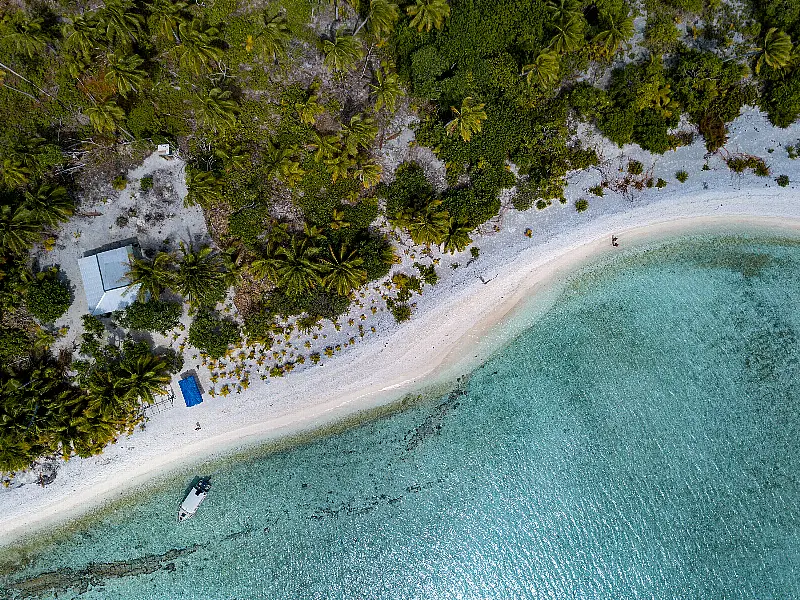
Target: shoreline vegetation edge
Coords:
[(452, 338)]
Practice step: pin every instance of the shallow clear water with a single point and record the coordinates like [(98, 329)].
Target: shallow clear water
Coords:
[(640, 440)]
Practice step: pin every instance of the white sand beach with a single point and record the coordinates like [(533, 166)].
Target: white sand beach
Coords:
[(453, 326)]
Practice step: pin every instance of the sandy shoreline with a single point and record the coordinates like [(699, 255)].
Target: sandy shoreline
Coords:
[(453, 329), (440, 353)]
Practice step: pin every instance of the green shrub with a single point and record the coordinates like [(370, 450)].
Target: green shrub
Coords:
[(682, 176), (146, 183), (597, 190), (155, 315), (661, 183), (475, 252), (14, 343), (119, 183), (428, 273), (581, 205), (92, 325), (48, 298), (635, 167), (783, 180), (212, 334), (660, 33), (400, 311), (739, 164), (258, 327)]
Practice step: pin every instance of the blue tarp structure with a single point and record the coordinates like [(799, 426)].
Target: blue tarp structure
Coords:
[(190, 391)]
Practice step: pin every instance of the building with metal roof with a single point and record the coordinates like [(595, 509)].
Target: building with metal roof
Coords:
[(104, 282)]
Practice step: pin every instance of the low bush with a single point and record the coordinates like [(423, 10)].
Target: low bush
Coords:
[(48, 298), (635, 167), (155, 315), (119, 183), (581, 205), (783, 180), (212, 334), (146, 183), (14, 343), (400, 311), (92, 325), (682, 176)]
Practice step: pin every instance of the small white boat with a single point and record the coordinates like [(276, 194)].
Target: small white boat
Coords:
[(193, 499)]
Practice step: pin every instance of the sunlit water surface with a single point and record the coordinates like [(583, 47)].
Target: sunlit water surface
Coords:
[(639, 440)]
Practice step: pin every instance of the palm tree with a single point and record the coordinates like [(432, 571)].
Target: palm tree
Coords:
[(120, 23), (387, 89), (342, 52), (457, 238), (124, 72), (25, 33), (430, 225), (776, 51), (19, 228), (428, 14), (217, 110), (167, 16), (543, 71), (203, 187), (145, 376), (381, 17), (49, 204), (342, 271), (569, 35), (561, 11), (369, 174), (266, 265), (297, 273), (80, 34), (310, 108), (274, 36), (15, 173), (200, 277), (467, 120), (618, 29), (359, 134), (106, 116), (152, 276), (199, 46)]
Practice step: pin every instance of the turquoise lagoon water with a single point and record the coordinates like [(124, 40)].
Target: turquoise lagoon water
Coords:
[(639, 440)]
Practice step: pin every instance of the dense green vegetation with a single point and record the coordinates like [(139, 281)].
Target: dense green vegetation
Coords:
[(280, 118)]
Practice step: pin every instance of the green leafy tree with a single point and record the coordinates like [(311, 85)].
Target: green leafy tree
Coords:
[(342, 271), (359, 134), (342, 53), (199, 46), (297, 272), (200, 277), (381, 17), (124, 72), (120, 23), (80, 35), (568, 36), (25, 33), (457, 237), (776, 50), (204, 187), (166, 18), (19, 228), (543, 71), (106, 116), (217, 110), (273, 36), (50, 204), (467, 120), (616, 30), (428, 14), (153, 276), (386, 89), (309, 109)]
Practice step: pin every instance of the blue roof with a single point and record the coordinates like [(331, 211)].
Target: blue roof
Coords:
[(190, 391)]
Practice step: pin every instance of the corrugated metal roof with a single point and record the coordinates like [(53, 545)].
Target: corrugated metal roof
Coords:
[(92, 281), (104, 280), (113, 266)]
